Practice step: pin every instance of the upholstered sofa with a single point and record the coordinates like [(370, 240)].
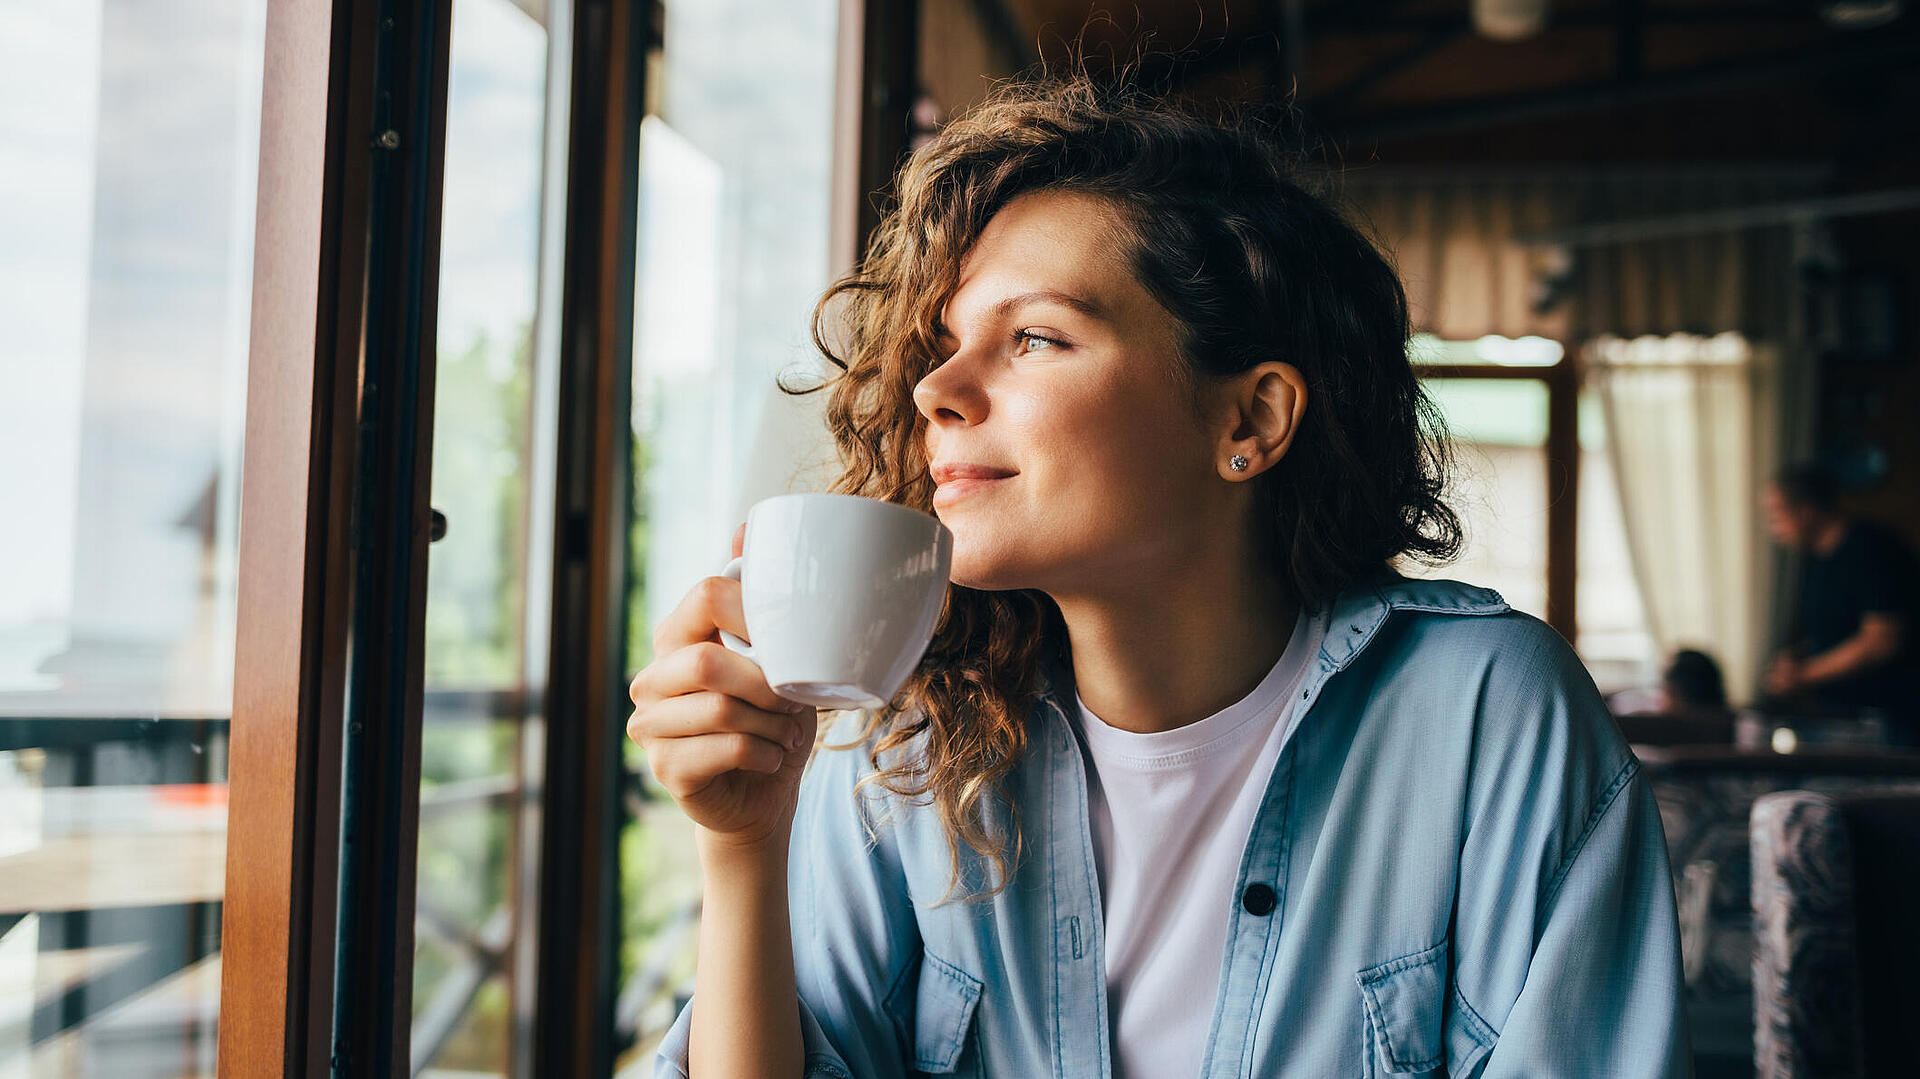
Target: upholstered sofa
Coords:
[(1836, 914)]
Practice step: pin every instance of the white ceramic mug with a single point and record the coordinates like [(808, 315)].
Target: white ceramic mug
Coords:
[(841, 595)]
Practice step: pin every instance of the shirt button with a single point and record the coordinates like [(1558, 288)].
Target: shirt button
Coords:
[(1258, 899)]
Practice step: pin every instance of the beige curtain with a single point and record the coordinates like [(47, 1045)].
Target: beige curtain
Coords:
[(1460, 240), (1454, 237), (1681, 434)]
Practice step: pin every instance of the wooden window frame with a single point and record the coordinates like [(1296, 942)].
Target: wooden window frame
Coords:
[(579, 914), (338, 425), (876, 80), (1562, 381), (284, 751)]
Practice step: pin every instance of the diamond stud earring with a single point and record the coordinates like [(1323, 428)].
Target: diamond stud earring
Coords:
[(1237, 463)]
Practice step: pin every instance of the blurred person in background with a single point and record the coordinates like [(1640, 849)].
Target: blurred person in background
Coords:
[(1852, 647), (1691, 685)]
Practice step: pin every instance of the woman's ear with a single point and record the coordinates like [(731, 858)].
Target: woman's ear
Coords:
[(1265, 405)]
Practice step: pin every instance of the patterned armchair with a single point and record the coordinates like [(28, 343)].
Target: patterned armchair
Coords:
[(1706, 795), (1836, 914)]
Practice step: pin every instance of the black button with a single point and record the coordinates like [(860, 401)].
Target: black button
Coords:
[(1258, 899)]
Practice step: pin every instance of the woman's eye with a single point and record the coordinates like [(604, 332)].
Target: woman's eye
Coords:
[(1033, 341)]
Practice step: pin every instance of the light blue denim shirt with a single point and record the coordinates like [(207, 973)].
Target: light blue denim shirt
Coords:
[(1457, 869)]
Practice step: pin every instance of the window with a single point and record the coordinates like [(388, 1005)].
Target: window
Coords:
[(128, 157), (486, 636), (1513, 450), (1499, 486)]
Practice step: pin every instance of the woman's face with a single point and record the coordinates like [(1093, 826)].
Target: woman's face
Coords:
[(1062, 380)]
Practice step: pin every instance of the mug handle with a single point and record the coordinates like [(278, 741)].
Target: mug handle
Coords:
[(728, 639)]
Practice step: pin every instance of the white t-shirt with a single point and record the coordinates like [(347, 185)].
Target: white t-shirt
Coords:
[(1171, 814)]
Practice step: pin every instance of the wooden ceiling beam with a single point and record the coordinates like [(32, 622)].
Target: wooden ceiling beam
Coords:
[(1353, 89), (1884, 50)]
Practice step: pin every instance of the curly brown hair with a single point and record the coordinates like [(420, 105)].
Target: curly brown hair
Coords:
[(1226, 236)]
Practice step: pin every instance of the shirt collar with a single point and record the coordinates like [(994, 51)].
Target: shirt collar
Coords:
[(1362, 608), (1358, 613)]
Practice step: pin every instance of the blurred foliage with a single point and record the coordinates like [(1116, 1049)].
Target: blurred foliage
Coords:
[(463, 866), (659, 877), (659, 870), (476, 599), (479, 1043), (476, 578), (475, 640)]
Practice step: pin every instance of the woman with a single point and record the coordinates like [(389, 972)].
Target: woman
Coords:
[(1190, 782)]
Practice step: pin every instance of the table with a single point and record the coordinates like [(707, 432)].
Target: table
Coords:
[(78, 873), (126, 885)]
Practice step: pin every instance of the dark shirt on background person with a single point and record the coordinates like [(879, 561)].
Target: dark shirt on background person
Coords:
[(1870, 570)]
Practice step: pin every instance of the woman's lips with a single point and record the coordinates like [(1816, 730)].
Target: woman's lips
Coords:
[(961, 486), (957, 479)]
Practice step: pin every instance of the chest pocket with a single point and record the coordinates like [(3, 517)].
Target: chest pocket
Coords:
[(944, 1001), (1417, 1023)]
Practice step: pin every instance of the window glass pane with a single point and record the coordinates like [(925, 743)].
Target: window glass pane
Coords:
[(734, 205), (129, 136), (486, 635), (1499, 485)]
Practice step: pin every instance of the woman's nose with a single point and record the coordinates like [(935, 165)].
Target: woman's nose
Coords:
[(950, 393)]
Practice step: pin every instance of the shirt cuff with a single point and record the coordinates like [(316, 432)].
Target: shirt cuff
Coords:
[(822, 1061)]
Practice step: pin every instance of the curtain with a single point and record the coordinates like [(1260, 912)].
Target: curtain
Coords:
[(1681, 435), (1455, 238), (1473, 248)]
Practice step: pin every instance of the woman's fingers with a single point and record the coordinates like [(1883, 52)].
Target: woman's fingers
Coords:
[(704, 666), (687, 766), (694, 714), (712, 603)]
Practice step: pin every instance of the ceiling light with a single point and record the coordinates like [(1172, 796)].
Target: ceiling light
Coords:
[(1509, 20)]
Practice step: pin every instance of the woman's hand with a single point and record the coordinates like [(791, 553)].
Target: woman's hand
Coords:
[(718, 739)]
